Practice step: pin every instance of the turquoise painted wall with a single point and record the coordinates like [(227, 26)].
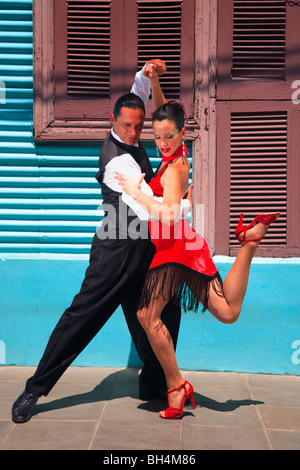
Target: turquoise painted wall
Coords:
[(36, 290), (49, 210)]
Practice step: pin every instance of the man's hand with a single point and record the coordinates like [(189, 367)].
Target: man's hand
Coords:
[(129, 185), (155, 68)]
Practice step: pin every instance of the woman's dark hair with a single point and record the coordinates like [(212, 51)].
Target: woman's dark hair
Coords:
[(170, 110), (130, 100)]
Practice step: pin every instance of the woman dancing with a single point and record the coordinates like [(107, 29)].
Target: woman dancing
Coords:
[(182, 268)]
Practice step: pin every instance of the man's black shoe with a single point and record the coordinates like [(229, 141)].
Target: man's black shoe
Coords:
[(22, 408)]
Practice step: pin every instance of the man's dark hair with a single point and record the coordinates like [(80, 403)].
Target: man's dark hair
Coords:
[(130, 100)]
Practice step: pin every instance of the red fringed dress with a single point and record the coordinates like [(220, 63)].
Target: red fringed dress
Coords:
[(182, 268)]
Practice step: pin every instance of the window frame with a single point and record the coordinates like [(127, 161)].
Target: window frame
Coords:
[(256, 95), (261, 88), (222, 242), (46, 125)]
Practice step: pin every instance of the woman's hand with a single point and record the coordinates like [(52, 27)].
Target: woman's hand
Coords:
[(155, 68), (129, 185), (188, 194), (151, 72)]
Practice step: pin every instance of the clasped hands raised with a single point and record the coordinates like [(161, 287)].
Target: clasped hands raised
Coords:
[(155, 68)]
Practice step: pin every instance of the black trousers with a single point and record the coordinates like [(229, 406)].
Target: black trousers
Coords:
[(114, 277)]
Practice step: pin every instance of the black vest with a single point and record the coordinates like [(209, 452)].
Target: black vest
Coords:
[(120, 221)]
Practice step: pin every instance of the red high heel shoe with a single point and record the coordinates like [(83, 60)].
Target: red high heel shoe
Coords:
[(174, 413), (266, 219)]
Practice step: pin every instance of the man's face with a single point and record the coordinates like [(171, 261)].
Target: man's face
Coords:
[(128, 125)]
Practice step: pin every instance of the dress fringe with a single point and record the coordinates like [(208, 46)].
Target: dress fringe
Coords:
[(181, 285)]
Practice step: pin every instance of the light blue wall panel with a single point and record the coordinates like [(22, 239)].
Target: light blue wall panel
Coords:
[(265, 339), (35, 292)]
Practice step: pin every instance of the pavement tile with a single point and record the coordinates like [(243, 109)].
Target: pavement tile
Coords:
[(66, 409), (131, 435), (224, 438), (273, 381), (11, 389), (277, 396), (5, 429), (219, 396), (285, 440), (91, 374), (82, 390), (236, 415), (214, 378), (5, 408), (50, 435), (18, 373), (99, 409), (281, 417)]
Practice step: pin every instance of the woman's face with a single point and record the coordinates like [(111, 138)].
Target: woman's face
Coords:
[(167, 137)]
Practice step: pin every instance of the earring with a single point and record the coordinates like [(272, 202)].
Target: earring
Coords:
[(183, 149), (157, 151)]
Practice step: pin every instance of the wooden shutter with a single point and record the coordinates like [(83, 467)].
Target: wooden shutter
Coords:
[(259, 39), (258, 42), (88, 63), (88, 49), (164, 31), (159, 35), (86, 54), (257, 140), (258, 171)]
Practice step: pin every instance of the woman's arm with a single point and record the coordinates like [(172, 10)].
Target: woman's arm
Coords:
[(153, 70), (147, 79), (158, 96), (175, 185)]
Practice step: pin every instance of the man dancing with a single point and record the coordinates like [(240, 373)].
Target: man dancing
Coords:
[(119, 258)]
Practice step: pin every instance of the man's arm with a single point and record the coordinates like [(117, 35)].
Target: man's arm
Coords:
[(147, 79), (128, 166), (141, 86)]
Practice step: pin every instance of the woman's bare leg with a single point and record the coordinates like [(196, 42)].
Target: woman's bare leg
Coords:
[(162, 345), (228, 309), (225, 309)]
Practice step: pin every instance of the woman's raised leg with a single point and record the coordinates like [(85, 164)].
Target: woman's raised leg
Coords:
[(227, 309)]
